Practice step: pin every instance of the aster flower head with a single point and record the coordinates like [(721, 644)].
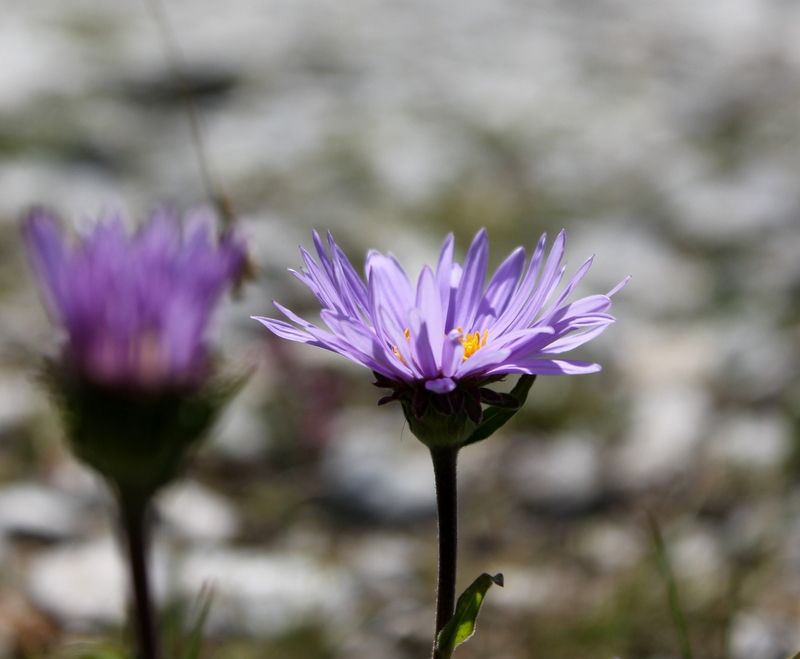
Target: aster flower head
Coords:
[(134, 308), (134, 381), (438, 345)]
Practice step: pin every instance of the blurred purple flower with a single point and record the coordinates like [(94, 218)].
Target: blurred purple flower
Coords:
[(451, 331), (135, 308)]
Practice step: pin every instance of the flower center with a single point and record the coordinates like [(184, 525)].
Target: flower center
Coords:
[(472, 342)]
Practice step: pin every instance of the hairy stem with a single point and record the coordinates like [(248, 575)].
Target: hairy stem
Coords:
[(134, 515), (444, 469)]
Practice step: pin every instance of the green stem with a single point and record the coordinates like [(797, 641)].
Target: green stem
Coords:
[(444, 469), (672, 589), (134, 513)]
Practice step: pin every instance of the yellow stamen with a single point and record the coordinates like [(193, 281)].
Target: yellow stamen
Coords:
[(397, 352), (472, 342)]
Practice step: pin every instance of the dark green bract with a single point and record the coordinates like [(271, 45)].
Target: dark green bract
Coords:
[(136, 438), (437, 430)]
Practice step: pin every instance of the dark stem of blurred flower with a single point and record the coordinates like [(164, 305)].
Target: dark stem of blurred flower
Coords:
[(134, 517), (444, 469)]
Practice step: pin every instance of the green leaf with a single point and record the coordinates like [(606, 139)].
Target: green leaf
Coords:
[(462, 624), (795, 656), (195, 641), (496, 417), (672, 588)]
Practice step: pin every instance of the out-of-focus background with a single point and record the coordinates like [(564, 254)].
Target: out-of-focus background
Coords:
[(665, 137)]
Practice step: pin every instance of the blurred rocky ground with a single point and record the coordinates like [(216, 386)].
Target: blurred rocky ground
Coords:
[(665, 137)]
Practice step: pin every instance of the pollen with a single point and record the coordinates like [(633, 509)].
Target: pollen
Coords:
[(472, 342), (397, 354)]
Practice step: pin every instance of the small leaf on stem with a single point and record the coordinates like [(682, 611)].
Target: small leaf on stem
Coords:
[(496, 417), (462, 624)]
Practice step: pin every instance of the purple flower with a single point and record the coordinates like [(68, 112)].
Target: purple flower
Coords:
[(135, 309), (451, 335)]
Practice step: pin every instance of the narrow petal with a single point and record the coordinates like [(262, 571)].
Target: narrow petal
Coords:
[(569, 288), (456, 272), (444, 270), (364, 343), (324, 281), (452, 353), (510, 316), (472, 280), (500, 289), (440, 385), (421, 346), (618, 286), (323, 285), (285, 330), (351, 295), (429, 306), (546, 367), (526, 343), (341, 345), (291, 315), (546, 286), (572, 341), (484, 359), (393, 290), (48, 252), (572, 323), (355, 283), (398, 341), (593, 304), (322, 254)]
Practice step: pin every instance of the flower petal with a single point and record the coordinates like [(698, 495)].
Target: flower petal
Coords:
[(429, 307), (440, 385), (551, 277), (285, 330), (444, 271), (393, 291), (618, 286), (452, 353), (485, 359), (572, 341), (547, 367), (573, 282), (365, 344), (500, 289), (50, 259), (421, 346), (518, 302), (358, 290), (473, 278)]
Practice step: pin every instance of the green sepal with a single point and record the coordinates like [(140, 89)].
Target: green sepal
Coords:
[(495, 418), (462, 624), (437, 430), (136, 438)]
